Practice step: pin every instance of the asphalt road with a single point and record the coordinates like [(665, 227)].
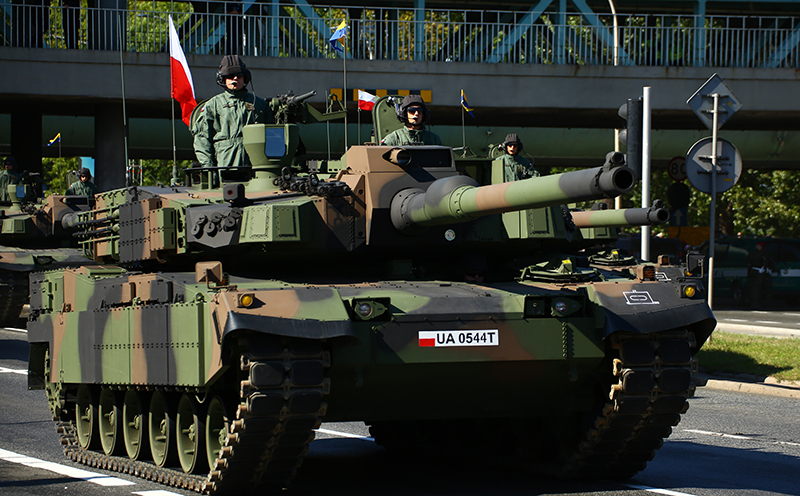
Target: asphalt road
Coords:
[(728, 443), (773, 323)]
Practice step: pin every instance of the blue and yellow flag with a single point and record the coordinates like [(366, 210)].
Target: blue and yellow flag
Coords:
[(340, 33), (57, 139), (465, 104)]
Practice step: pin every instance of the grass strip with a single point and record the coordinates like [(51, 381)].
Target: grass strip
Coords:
[(755, 355)]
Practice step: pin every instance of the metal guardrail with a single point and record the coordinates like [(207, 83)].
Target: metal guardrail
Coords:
[(294, 30)]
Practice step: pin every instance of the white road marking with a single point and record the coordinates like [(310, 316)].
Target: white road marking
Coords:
[(736, 436), (76, 473), (156, 492), (767, 322), (4, 370), (345, 434), (719, 434), (658, 491)]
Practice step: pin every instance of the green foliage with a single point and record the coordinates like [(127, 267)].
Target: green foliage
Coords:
[(56, 173), (153, 172), (755, 355)]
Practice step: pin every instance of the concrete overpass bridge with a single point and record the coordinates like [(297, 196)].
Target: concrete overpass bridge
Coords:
[(553, 71)]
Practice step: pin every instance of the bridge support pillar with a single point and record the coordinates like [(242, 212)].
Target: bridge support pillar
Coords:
[(26, 137), (109, 147)]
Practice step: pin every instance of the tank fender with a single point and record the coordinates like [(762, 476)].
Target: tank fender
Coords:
[(304, 312), (652, 307)]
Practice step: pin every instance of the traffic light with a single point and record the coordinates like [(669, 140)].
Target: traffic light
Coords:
[(631, 136)]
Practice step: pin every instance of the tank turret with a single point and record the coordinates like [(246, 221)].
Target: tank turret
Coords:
[(234, 313)]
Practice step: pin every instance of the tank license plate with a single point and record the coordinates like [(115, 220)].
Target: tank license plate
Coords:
[(484, 337)]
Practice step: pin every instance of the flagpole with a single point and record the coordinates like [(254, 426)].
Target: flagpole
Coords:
[(463, 133), (344, 91), (174, 180), (124, 114), (359, 124)]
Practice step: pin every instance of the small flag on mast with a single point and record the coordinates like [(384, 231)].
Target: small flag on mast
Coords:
[(366, 101), (338, 35), (57, 139), (181, 77), (465, 104)]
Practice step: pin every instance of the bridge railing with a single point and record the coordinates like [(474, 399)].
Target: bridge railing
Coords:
[(293, 30)]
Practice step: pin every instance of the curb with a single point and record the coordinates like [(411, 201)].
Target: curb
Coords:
[(756, 385)]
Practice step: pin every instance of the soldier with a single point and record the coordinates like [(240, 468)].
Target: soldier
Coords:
[(414, 114), (83, 186), (759, 277), (515, 166), (8, 175), (218, 130)]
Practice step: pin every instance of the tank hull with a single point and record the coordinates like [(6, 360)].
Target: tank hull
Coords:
[(398, 355)]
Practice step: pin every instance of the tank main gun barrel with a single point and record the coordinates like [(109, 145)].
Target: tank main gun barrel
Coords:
[(295, 99), (460, 199), (650, 216)]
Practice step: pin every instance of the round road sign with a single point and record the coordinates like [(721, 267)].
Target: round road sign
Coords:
[(676, 168), (698, 165)]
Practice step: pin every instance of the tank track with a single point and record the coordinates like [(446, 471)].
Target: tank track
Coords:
[(13, 295), (651, 378), (281, 403), (654, 373)]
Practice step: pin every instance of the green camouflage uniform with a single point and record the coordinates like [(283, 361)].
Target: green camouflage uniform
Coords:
[(218, 130), (7, 177), (80, 188), (516, 168), (405, 136)]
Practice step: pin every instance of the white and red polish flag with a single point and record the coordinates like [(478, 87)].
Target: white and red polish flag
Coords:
[(181, 82), (366, 101)]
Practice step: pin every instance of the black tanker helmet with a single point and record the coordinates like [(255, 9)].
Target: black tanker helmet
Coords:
[(85, 172), (10, 161), (512, 138), (413, 101), (231, 65)]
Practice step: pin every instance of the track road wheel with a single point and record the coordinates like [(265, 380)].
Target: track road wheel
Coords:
[(217, 428), (190, 436), (161, 430), (110, 422), (134, 426), (86, 418)]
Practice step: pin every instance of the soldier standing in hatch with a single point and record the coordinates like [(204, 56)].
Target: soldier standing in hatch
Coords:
[(414, 114), (218, 129), (515, 166), (83, 186), (8, 175), (759, 275)]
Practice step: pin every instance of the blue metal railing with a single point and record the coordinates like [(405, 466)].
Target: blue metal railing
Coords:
[(533, 37)]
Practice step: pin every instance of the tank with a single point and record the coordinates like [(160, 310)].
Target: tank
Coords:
[(32, 239), (224, 323)]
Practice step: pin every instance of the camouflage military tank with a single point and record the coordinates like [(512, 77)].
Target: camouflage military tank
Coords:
[(192, 358), (33, 240)]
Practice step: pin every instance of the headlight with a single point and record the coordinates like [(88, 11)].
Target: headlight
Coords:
[(246, 300)]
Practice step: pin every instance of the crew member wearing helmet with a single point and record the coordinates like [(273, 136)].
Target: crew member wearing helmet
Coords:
[(515, 166), (414, 114), (83, 186), (218, 128), (8, 175)]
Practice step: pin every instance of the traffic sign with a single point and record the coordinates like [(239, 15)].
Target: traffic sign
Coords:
[(676, 168), (678, 195), (679, 217), (698, 165), (702, 102)]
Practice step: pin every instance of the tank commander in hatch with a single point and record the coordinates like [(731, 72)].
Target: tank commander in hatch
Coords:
[(8, 175), (414, 114), (218, 128), (515, 166), (83, 186)]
